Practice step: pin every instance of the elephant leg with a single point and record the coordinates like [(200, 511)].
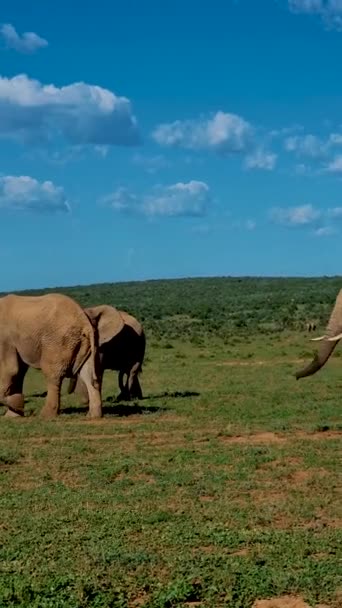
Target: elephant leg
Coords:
[(14, 398), (82, 391), (124, 395), (93, 388), (134, 387), (53, 399), (136, 391)]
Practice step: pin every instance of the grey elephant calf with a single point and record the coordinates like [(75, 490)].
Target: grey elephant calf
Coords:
[(122, 344), (328, 342), (51, 333)]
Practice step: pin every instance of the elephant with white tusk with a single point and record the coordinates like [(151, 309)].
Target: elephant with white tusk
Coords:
[(122, 344), (328, 341), (51, 333)]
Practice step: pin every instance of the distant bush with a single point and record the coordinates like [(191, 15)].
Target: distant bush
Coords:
[(221, 308)]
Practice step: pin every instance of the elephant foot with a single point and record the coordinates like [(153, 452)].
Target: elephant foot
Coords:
[(123, 397), (13, 414), (95, 413), (48, 413)]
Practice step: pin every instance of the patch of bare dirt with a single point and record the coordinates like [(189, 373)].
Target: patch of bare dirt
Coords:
[(240, 553), (266, 437), (140, 600), (279, 463), (317, 435), (211, 549), (286, 601), (207, 498), (268, 496), (178, 437), (271, 437)]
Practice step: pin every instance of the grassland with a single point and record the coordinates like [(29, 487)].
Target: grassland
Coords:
[(221, 487)]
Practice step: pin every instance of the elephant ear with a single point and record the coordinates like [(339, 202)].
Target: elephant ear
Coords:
[(108, 321)]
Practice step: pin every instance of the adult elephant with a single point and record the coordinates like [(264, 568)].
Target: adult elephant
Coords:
[(123, 352), (329, 341), (51, 333)]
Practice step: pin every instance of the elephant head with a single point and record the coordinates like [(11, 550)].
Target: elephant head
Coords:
[(328, 341), (107, 320)]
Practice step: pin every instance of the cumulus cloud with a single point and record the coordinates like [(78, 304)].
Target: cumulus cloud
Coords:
[(330, 11), (321, 151), (181, 199), (320, 222), (79, 113), (260, 159), (26, 193), (223, 132), (307, 145), (302, 215), (29, 42)]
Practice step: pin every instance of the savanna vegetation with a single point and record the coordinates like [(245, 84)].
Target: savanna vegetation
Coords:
[(192, 309), (221, 487)]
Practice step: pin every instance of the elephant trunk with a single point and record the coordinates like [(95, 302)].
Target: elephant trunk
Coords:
[(326, 347), (320, 358)]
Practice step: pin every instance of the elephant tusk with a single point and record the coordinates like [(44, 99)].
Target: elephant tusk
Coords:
[(318, 339), (335, 338)]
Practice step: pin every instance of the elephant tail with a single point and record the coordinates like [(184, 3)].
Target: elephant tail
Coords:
[(72, 385), (90, 349), (141, 351)]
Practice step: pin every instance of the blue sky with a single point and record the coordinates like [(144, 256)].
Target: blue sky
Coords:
[(165, 139)]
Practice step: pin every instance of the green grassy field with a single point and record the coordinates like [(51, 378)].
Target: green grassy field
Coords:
[(221, 487)]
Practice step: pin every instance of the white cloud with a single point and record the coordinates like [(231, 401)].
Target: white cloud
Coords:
[(335, 165), (29, 42), (324, 231), (295, 216), (330, 11), (321, 222), (223, 133), (181, 199), (122, 200), (102, 150), (335, 212), (260, 159), (79, 113), (26, 193), (306, 6), (335, 139), (307, 145)]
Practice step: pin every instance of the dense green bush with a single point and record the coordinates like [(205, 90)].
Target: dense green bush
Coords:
[(193, 309)]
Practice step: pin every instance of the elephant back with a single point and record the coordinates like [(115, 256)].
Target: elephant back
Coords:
[(131, 322)]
